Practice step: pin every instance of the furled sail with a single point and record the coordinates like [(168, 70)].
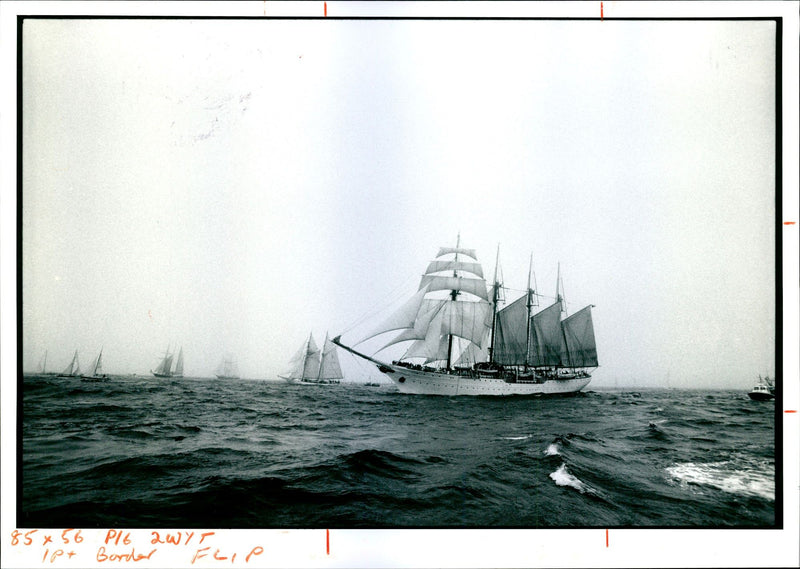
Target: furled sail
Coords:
[(579, 344), (511, 334), (329, 365), (547, 340)]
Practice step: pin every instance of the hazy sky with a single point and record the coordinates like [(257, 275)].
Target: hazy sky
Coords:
[(231, 186)]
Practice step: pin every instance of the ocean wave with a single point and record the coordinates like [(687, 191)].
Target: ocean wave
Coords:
[(552, 450), (728, 476), (379, 462), (517, 438), (132, 433), (562, 477)]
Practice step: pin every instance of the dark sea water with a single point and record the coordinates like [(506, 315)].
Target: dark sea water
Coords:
[(142, 452)]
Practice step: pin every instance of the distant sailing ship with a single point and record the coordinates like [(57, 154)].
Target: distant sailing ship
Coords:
[(764, 390), (512, 351), (41, 369), (310, 365), (96, 369), (73, 369), (227, 369), (164, 368)]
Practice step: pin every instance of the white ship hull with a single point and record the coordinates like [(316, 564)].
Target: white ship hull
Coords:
[(433, 383)]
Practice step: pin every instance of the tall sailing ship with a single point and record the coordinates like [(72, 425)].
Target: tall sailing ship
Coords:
[(165, 369), (312, 365), (227, 369), (41, 369), (461, 344)]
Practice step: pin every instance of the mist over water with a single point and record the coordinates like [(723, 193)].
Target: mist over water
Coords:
[(143, 452)]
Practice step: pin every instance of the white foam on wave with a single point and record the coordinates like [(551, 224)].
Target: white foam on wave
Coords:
[(522, 438), (552, 450), (563, 478), (728, 477)]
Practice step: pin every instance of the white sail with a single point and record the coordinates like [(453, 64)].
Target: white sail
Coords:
[(440, 355), (547, 339), (74, 367), (296, 364), (474, 353), (416, 350), (403, 317), (439, 266), (511, 335), (460, 284), (579, 344), (419, 329), (97, 365), (42, 367), (428, 347), (179, 364), (165, 365), (311, 363), (456, 251), (329, 368), (429, 323), (466, 320)]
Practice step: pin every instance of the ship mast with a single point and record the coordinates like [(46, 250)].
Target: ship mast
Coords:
[(453, 295), (322, 357), (305, 357), (529, 305), (495, 297), (560, 291)]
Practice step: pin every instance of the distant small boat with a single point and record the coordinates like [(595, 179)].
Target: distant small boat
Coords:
[(73, 369), (227, 369), (309, 365), (41, 369), (96, 370), (164, 368), (764, 390)]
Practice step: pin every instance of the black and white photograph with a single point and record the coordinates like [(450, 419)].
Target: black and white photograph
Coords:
[(385, 273)]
